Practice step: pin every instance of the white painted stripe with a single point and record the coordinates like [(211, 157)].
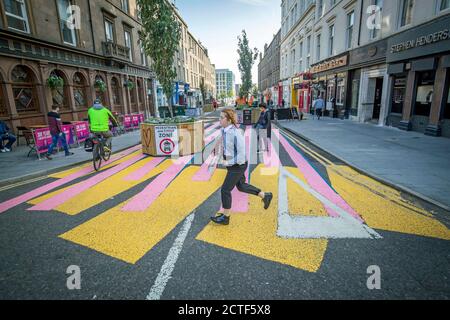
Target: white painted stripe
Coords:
[(168, 266)]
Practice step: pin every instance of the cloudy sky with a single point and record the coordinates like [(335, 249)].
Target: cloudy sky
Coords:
[(218, 23)]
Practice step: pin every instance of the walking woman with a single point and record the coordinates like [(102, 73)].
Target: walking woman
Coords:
[(234, 159)]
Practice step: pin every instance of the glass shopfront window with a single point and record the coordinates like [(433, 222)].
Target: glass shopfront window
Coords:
[(447, 104), (398, 96), (340, 98), (355, 81), (424, 93)]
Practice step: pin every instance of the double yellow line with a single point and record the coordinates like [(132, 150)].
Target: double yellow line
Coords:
[(321, 159), (22, 183)]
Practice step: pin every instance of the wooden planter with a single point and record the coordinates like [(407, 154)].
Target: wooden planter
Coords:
[(164, 140)]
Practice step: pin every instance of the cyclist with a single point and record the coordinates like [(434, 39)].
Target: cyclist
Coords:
[(99, 117)]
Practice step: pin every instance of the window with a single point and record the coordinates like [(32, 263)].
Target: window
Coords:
[(445, 4), (143, 54), (406, 12), (128, 44), (293, 61), (375, 32), (320, 8), (16, 15), (24, 90), (79, 91), (3, 110), (301, 57), (109, 29), (60, 95), (340, 92), (98, 93), (398, 96), (425, 93), (308, 48), (125, 6), (350, 24), (331, 41), (318, 47), (67, 28)]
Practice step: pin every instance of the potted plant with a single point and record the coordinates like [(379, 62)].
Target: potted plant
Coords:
[(129, 85), (100, 85), (55, 82)]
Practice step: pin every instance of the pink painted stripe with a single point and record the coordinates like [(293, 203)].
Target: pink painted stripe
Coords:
[(70, 193), (316, 181), (212, 127), (140, 173), (144, 199), (240, 199), (207, 169), (212, 137), (271, 158), (58, 183)]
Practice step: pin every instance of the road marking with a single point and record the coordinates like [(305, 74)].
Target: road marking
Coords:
[(142, 172), (18, 184), (255, 232), (59, 199), (341, 227), (315, 180), (4, 206), (129, 236), (103, 191), (169, 264), (144, 199)]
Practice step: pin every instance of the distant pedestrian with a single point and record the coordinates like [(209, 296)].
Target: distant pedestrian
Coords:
[(264, 125), (215, 104), (283, 103), (5, 135), (234, 159), (318, 106), (55, 123)]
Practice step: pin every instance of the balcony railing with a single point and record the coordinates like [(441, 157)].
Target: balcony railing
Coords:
[(113, 50)]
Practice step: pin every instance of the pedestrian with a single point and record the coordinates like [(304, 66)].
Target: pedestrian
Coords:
[(264, 125), (215, 104), (318, 106), (55, 124), (283, 103), (6, 136), (234, 159)]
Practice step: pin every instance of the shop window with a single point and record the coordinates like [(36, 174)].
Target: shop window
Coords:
[(355, 97), (16, 15), (79, 91), (60, 95), (424, 93), (340, 92), (24, 90), (398, 96), (140, 93)]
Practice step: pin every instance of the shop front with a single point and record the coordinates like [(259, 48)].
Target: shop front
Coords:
[(368, 84), (419, 62), (330, 80), (301, 92)]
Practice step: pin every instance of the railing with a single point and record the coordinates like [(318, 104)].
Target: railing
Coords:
[(113, 50)]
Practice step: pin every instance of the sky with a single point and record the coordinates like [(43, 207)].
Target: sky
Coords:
[(218, 23)]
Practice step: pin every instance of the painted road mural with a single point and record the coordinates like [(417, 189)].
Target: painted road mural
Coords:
[(326, 221)]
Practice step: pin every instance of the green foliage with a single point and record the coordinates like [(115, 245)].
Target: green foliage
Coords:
[(247, 59), (55, 82), (174, 120), (203, 89), (100, 85), (130, 85), (161, 40)]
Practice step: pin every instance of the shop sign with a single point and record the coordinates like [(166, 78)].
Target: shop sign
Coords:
[(331, 64), (167, 140)]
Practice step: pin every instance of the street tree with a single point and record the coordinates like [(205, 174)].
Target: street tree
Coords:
[(203, 89), (247, 58), (161, 39)]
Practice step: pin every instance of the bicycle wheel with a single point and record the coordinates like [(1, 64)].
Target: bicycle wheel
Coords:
[(107, 154), (96, 157)]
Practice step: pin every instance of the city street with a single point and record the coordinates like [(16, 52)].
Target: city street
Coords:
[(140, 229)]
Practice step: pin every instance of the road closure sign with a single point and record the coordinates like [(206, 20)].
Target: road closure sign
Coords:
[(167, 140)]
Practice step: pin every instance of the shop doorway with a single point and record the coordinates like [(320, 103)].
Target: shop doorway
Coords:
[(377, 99)]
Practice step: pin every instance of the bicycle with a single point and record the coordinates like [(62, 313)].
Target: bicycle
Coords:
[(98, 152)]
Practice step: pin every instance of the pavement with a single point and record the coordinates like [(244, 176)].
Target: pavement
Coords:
[(20, 167), (409, 161)]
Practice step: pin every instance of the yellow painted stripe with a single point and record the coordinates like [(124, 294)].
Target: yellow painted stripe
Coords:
[(106, 189), (301, 203), (254, 233), (128, 236), (384, 214)]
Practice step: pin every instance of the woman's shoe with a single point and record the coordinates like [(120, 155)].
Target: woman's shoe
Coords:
[(221, 219)]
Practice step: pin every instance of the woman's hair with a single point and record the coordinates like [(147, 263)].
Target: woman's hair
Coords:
[(231, 116)]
